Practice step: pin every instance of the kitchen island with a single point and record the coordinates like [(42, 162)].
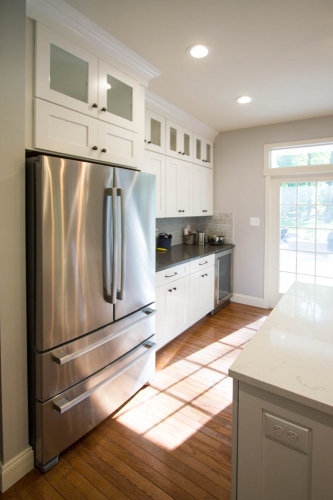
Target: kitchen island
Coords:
[(283, 402)]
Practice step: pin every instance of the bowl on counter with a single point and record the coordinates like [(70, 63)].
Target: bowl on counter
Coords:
[(215, 239)]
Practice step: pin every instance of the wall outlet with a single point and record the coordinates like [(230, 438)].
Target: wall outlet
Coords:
[(254, 221), (286, 432)]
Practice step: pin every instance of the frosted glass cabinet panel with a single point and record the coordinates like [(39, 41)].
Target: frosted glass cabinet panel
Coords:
[(66, 74), (203, 151), (118, 97), (154, 132), (179, 141), (74, 78)]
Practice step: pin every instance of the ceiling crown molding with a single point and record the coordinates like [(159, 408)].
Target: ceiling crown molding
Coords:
[(59, 13), (172, 112)]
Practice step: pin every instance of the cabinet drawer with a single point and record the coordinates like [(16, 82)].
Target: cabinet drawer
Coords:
[(197, 264), (172, 274)]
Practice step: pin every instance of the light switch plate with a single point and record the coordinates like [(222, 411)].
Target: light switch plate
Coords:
[(254, 221)]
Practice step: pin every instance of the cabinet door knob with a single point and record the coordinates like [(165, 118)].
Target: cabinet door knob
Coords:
[(103, 109), (175, 288), (103, 150), (183, 153), (149, 142), (95, 105), (204, 210), (179, 152), (170, 290), (95, 148)]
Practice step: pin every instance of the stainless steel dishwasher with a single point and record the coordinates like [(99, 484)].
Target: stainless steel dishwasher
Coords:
[(223, 278)]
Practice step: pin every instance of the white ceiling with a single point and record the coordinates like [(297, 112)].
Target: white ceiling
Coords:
[(278, 51)]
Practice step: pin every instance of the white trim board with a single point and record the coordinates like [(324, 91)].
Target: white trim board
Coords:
[(61, 17), (16, 468), (248, 300)]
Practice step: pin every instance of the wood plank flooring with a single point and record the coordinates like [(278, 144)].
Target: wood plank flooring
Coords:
[(172, 440)]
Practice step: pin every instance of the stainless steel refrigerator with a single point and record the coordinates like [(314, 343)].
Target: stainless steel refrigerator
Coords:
[(91, 292)]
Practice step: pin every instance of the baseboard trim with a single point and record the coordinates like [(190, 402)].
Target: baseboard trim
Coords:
[(249, 300), (16, 468)]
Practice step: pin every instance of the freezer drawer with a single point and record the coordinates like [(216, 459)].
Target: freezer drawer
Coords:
[(68, 416), (81, 358)]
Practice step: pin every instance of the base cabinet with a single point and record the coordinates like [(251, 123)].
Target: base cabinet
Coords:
[(172, 304), (281, 449), (184, 294), (201, 294)]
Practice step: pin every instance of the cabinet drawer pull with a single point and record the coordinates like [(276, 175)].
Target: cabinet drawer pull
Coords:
[(203, 263), (171, 275), (205, 210)]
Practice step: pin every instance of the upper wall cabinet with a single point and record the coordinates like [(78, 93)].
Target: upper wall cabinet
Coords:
[(203, 151), (154, 132), (179, 141), (70, 76)]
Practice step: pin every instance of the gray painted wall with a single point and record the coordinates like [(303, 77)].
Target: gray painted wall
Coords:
[(239, 187), (14, 410)]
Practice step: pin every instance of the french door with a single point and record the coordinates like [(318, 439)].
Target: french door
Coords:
[(300, 232)]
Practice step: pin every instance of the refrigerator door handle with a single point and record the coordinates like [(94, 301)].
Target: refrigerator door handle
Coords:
[(61, 404), (121, 293), (112, 280), (62, 358)]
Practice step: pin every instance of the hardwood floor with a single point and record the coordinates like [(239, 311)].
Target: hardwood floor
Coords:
[(172, 440)]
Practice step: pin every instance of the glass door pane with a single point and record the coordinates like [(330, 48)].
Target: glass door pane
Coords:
[(155, 132), (68, 74), (198, 149), (119, 98), (306, 233), (173, 139)]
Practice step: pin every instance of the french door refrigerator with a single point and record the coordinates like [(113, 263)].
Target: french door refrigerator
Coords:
[(91, 292)]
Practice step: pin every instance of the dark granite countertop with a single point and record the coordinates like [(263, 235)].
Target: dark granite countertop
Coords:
[(185, 253)]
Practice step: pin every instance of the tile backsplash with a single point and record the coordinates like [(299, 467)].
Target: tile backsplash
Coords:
[(221, 223)]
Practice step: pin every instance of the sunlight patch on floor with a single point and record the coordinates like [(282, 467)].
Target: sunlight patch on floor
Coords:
[(188, 393)]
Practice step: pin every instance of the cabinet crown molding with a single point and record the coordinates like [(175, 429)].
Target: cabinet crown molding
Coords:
[(172, 112), (58, 15)]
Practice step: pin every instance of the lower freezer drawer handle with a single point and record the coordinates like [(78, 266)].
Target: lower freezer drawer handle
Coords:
[(62, 404)]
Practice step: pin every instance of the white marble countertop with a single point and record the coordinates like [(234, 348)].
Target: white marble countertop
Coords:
[(292, 353)]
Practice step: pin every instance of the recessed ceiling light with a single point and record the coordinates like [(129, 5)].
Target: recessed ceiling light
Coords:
[(198, 51), (244, 99)]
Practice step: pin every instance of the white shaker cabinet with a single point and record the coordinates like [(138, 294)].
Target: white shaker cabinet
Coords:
[(155, 164), (201, 288), (179, 188), (154, 132), (203, 151), (172, 303), (70, 76), (179, 141), (65, 131), (202, 190)]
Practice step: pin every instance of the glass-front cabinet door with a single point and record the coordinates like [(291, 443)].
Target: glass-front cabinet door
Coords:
[(154, 132), (66, 74), (70, 76), (203, 151), (179, 141), (118, 98)]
